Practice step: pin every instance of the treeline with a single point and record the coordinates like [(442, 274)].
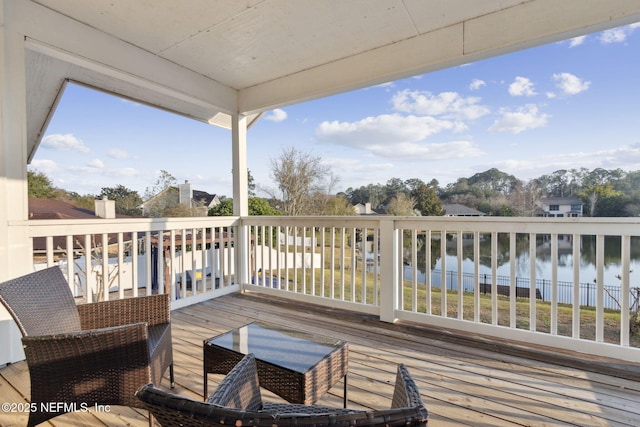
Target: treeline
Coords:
[(605, 193)]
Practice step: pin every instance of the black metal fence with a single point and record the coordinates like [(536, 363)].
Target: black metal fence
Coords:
[(611, 294)]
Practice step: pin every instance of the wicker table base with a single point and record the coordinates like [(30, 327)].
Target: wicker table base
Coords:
[(297, 366)]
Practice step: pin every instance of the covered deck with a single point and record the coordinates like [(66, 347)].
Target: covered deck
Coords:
[(464, 380), (207, 61)]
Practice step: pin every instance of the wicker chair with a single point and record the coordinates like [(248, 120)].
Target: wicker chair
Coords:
[(237, 402), (91, 353)]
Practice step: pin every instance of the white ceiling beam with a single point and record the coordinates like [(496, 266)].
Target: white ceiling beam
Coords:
[(115, 58), (525, 25), (545, 21), (427, 52)]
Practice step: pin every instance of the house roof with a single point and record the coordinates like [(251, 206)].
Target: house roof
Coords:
[(455, 209), (561, 201), (211, 60), (197, 195), (57, 209), (203, 196)]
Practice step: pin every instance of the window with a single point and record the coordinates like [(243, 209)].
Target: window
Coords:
[(576, 207), (554, 207)]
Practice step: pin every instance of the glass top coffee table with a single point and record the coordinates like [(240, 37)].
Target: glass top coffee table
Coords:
[(299, 367)]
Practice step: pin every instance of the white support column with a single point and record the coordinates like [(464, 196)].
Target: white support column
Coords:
[(390, 264), (240, 170), (240, 195), (15, 246)]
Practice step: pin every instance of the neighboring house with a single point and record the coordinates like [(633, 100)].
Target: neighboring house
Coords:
[(52, 209), (455, 209), (184, 194), (560, 207), (365, 209)]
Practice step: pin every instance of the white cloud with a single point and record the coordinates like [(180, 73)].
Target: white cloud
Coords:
[(521, 86), (477, 84), (618, 35), (396, 136), (356, 165), (428, 152), (570, 84), (125, 172), (519, 120), (45, 166), (276, 115), (383, 129), (577, 41), (449, 105), (615, 35), (66, 142), (624, 157), (117, 153), (387, 86), (96, 163)]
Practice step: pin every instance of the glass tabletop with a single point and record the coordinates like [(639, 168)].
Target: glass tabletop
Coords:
[(288, 348)]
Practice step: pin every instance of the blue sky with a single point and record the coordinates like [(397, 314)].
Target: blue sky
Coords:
[(565, 105)]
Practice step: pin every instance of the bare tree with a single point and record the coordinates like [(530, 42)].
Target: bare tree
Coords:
[(299, 176)]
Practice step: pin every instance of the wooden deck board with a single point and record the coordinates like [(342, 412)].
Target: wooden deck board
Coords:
[(460, 384)]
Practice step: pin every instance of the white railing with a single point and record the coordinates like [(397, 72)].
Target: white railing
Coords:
[(373, 265), (383, 266), (192, 259)]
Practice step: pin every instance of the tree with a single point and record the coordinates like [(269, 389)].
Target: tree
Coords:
[(493, 182), (257, 206), (251, 184), (224, 208), (401, 205), (427, 200), (338, 205), (299, 176), (162, 196), (597, 193), (87, 201), (127, 201), (40, 186)]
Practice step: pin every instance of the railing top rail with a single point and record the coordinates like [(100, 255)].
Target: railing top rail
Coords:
[(43, 228), (594, 226), (314, 221)]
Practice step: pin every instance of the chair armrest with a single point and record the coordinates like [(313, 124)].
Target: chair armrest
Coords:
[(152, 309), (240, 388)]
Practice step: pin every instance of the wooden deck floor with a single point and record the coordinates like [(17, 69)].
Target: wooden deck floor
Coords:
[(461, 383)]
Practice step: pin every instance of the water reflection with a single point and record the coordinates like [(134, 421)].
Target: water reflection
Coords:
[(543, 264)]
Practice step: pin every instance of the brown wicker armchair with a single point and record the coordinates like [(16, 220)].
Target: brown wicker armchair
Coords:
[(237, 402), (91, 353)]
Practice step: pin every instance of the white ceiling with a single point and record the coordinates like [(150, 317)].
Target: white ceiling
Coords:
[(207, 59)]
